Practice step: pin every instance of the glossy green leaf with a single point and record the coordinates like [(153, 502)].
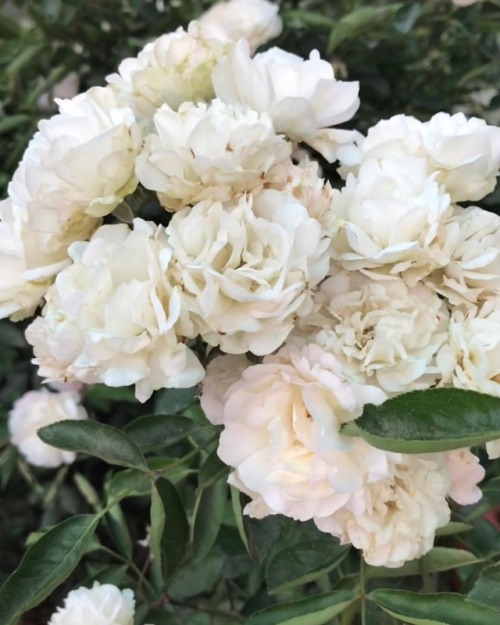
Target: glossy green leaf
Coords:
[(45, 565), (96, 439), (429, 421), (486, 590), (436, 609), (127, 483), (153, 432), (169, 527), (208, 519), (303, 562), (311, 611), (438, 559)]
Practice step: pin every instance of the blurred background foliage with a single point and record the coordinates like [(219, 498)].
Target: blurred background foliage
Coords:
[(410, 57)]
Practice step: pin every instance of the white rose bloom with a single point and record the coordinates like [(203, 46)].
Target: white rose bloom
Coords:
[(393, 217), (214, 151), (464, 153), (281, 434), (35, 410), (100, 605), (473, 273), (27, 270), (470, 358), (383, 332), (110, 316), (394, 518), (464, 3), (221, 372), (301, 96), (80, 161), (257, 21), (465, 473), (247, 269), (175, 68)]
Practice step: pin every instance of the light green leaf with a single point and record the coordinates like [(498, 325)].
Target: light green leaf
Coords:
[(429, 421), (153, 432), (486, 590), (453, 527), (96, 439), (118, 531), (436, 609), (311, 611), (208, 519), (46, 565), (303, 562)]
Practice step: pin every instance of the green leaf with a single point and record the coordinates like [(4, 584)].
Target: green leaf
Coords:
[(103, 397), (127, 483), (453, 527), (262, 534), (212, 470), (153, 432), (174, 400), (436, 609), (238, 515), (438, 559), (169, 527), (311, 611), (303, 562), (46, 565), (208, 518), (195, 577), (96, 439), (429, 421), (118, 531), (486, 590), (360, 20)]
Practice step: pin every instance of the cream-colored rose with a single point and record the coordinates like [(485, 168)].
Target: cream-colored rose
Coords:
[(464, 3), (35, 410), (473, 273), (383, 332), (301, 96), (110, 316), (247, 269), (465, 473), (214, 152), (26, 270), (281, 434), (257, 21), (393, 219), (394, 518), (81, 161), (175, 68), (470, 357), (221, 372), (100, 605), (464, 154)]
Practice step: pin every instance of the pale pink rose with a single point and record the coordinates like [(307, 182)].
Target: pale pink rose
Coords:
[(35, 410), (465, 473), (221, 372)]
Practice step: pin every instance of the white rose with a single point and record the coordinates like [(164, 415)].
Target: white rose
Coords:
[(80, 161), (473, 273), (110, 316), (221, 372), (100, 605), (281, 434), (383, 332), (465, 472), (27, 270), (464, 3), (211, 151), (463, 153), (175, 68), (301, 96), (394, 518), (470, 358), (257, 21), (247, 268), (35, 410), (393, 217)]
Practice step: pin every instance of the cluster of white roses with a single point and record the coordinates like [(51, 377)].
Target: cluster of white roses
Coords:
[(350, 296)]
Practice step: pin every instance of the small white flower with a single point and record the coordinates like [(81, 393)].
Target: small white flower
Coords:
[(100, 605), (383, 332), (301, 96), (175, 68), (257, 21), (247, 269), (211, 151), (110, 316), (35, 410)]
